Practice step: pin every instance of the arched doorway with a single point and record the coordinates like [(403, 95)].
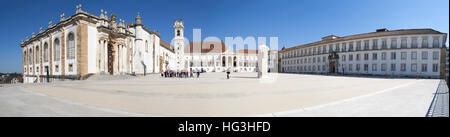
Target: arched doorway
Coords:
[(223, 61), (234, 61)]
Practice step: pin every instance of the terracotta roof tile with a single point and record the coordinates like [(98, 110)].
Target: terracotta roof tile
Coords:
[(205, 47)]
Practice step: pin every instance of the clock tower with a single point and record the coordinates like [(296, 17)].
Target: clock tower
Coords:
[(178, 41)]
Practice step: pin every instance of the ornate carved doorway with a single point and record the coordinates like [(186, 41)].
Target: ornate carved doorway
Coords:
[(333, 62), (110, 59)]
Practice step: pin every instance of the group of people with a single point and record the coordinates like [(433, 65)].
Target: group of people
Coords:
[(179, 74), (186, 74)]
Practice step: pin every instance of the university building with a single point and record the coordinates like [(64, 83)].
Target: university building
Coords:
[(84, 44), (395, 53)]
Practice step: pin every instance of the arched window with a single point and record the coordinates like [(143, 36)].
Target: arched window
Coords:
[(178, 32), (25, 56), (146, 46), (71, 45), (37, 54), (57, 48), (46, 52), (31, 56)]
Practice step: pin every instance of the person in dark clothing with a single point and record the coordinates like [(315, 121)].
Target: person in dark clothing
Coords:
[(228, 74)]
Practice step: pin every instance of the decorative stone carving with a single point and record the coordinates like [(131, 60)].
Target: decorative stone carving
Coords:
[(50, 24), (40, 30), (32, 35), (79, 9), (61, 17), (263, 56)]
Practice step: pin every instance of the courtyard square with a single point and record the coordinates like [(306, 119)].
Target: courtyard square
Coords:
[(214, 95)]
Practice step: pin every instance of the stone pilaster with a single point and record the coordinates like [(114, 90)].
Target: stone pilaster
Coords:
[(50, 64), (82, 50), (63, 54), (154, 60), (128, 55)]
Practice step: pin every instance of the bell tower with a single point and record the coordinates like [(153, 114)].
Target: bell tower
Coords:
[(178, 41)]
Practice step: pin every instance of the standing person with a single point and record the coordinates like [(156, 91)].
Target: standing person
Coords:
[(198, 74), (228, 74), (192, 74)]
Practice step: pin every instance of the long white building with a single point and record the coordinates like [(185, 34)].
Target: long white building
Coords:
[(408, 53)]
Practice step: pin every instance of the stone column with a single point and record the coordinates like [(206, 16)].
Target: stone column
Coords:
[(102, 59), (262, 61), (105, 63)]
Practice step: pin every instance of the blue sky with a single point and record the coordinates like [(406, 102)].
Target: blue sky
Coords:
[(294, 22)]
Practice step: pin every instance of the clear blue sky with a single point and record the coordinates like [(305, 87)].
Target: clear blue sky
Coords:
[(294, 22)]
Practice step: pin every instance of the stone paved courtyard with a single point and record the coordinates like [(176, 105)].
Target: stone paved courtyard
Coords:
[(213, 95)]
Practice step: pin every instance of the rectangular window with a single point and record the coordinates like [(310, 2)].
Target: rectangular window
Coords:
[(358, 67), (366, 56), (424, 55), (375, 44), (414, 55), (424, 67), (403, 67), (413, 67), (435, 43), (344, 47), (414, 43), (366, 67), (383, 67), (424, 43), (383, 56), (436, 55), (393, 55), (350, 46), (435, 67), (343, 57), (357, 57), (403, 43), (350, 67), (393, 43), (393, 67), (366, 45), (358, 45), (374, 67), (350, 57), (374, 56), (403, 55), (384, 44)]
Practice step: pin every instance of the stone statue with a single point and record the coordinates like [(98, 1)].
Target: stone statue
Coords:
[(263, 56)]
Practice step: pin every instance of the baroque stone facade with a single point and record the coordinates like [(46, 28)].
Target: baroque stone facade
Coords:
[(84, 44)]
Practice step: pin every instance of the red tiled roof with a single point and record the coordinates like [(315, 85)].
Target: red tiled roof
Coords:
[(246, 51), (205, 47)]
